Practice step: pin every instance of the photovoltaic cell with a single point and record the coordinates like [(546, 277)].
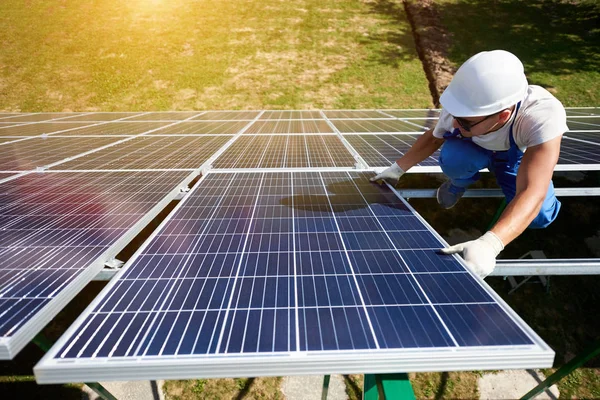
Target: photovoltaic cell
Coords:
[(40, 128), (289, 151), (203, 128), (291, 115), (227, 115), (581, 151), (38, 152), (413, 113), (258, 272), (582, 111), (165, 116), (341, 114), (286, 126), (380, 125), (382, 150), (151, 152), (53, 226), (117, 128), (38, 117), (102, 116), (584, 124)]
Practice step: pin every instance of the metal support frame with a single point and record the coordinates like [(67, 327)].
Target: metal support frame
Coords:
[(592, 351), (45, 344)]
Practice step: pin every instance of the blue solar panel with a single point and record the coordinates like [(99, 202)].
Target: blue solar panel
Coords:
[(282, 272), (53, 227), (382, 150)]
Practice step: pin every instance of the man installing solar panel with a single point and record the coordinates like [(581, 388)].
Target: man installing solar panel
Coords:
[(490, 115)]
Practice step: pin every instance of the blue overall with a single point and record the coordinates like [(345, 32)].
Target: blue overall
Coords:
[(461, 160)]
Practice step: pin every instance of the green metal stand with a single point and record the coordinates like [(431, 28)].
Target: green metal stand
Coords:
[(565, 370), (43, 343), (325, 387), (499, 212), (388, 386)]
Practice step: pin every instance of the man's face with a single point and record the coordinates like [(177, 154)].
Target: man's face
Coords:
[(476, 126)]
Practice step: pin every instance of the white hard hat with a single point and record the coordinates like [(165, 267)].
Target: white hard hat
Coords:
[(485, 84)]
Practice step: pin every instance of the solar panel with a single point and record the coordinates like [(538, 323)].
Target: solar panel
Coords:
[(291, 115), (151, 152), (413, 113), (121, 128), (4, 175), (349, 114), (288, 273), (383, 150), (381, 125), (102, 116), (38, 152), (56, 231), (593, 137), (164, 116), (203, 128), (579, 111), (227, 115), (41, 117), (289, 126), (584, 124), (580, 152), (285, 151), (41, 128)]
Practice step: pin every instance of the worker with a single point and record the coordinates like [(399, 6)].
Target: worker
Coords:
[(492, 118)]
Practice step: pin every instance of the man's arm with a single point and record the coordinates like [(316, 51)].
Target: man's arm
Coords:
[(533, 179)]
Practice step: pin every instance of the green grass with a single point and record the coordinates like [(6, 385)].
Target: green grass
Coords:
[(231, 54), (557, 40)]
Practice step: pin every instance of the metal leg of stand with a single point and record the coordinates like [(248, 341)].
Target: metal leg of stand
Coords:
[(388, 386), (326, 379), (565, 370), (43, 343)]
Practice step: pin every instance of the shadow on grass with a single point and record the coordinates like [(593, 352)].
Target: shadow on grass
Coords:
[(557, 37)]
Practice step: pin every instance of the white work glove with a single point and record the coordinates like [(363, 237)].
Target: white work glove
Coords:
[(479, 254), (391, 174)]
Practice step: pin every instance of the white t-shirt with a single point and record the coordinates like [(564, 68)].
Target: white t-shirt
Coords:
[(541, 118)]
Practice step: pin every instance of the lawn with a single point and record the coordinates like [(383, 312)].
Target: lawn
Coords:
[(209, 54)]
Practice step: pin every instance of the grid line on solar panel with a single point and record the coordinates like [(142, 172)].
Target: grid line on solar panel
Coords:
[(40, 117), (216, 279), (228, 115), (166, 116), (289, 151), (286, 126), (382, 150), (382, 125), (582, 111), (578, 151), (41, 128), (104, 116), (37, 152), (291, 114), (118, 128), (54, 226), (354, 114), (151, 152), (190, 127), (424, 113), (584, 124)]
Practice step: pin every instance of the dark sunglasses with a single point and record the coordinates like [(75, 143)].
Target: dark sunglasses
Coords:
[(466, 125)]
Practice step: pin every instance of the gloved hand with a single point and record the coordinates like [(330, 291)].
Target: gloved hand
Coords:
[(479, 254), (391, 174)]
